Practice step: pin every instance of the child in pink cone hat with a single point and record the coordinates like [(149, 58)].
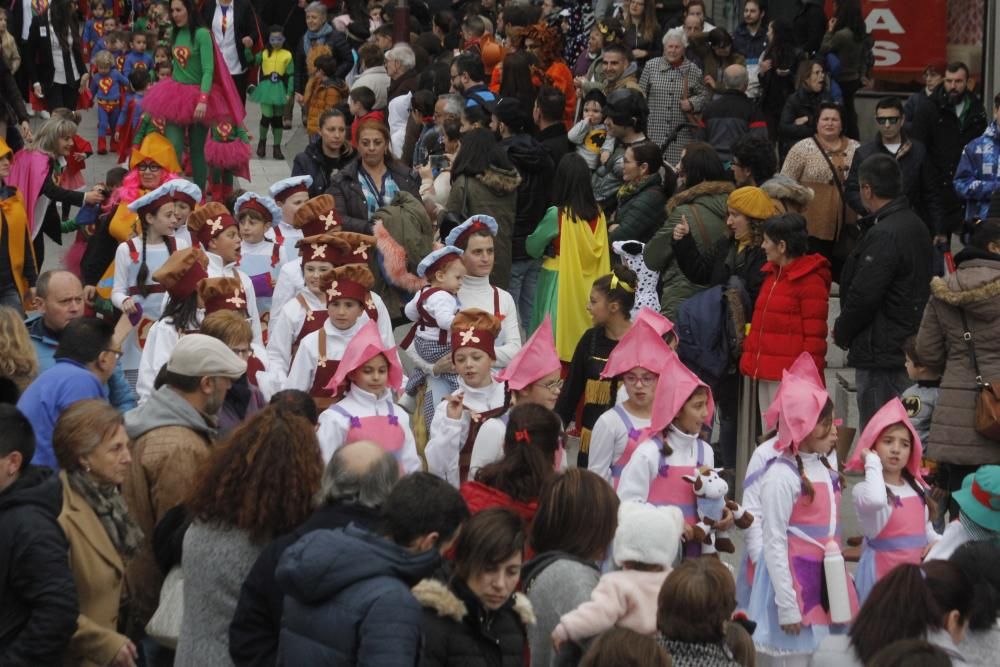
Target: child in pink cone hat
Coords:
[(803, 368), (636, 361), (365, 376), (672, 446), (800, 502), (892, 501), (532, 376)]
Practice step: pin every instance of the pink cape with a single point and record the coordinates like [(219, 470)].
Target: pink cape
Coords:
[(28, 174), (175, 102)]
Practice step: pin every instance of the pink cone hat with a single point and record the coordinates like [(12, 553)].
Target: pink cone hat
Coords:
[(890, 414), (660, 324), (365, 345), (640, 346), (804, 367), (536, 359), (673, 389), (799, 405)]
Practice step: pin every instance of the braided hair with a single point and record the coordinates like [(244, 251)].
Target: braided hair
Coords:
[(140, 278)]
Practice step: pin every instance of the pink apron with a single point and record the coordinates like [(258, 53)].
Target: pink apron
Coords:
[(384, 430), (903, 539), (633, 442), (670, 488), (808, 532)]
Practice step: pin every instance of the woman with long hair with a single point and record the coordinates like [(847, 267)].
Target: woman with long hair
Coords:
[(778, 66), (642, 32), (54, 37), (573, 238), (327, 154), (91, 446), (640, 199), (845, 38), (200, 92), (257, 485), (519, 79), (484, 181), (18, 360), (477, 617)]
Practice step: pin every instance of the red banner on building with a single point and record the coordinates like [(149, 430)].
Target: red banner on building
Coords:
[(908, 33)]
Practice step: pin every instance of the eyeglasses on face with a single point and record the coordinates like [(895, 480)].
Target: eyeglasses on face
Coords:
[(147, 166)]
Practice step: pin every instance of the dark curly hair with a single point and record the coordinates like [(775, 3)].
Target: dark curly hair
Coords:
[(262, 479)]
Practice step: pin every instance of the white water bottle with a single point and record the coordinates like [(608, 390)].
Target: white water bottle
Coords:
[(835, 571)]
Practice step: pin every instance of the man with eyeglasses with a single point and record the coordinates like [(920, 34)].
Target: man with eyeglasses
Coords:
[(919, 184), (84, 362)]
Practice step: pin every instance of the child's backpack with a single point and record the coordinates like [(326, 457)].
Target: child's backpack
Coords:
[(710, 328)]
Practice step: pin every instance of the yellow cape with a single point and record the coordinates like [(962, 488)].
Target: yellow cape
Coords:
[(17, 230), (584, 256)]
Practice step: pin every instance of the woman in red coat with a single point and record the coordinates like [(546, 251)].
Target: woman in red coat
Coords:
[(529, 460), (790, 315)]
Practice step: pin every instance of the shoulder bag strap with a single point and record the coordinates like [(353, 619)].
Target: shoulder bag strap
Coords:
[(700, 224), (967, 336), (837, 181)]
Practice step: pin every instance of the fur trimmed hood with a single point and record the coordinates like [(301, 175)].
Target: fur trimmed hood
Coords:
[(500, 181), (435, 595), (975, 287), (702, 189), (786, 189)]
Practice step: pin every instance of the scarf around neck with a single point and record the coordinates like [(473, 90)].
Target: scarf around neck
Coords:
[(311, 37), (109, 506)]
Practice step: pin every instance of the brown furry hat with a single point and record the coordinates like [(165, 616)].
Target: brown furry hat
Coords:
[(208, 221), (362, 246), (224, 293), (182, 272), (474, 328), (317, 216), (350, 281), (325, 248)]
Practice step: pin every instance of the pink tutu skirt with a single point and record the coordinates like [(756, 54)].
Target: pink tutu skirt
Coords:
[(232, 156), (72, 180), (175, 103)]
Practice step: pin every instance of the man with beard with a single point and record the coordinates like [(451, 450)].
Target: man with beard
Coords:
[(468, 78), (945, 122), (171, 436)]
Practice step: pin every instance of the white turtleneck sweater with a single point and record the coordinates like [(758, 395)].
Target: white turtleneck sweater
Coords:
[(477, 292)]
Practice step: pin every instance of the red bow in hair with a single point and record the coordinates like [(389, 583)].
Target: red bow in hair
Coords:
[(522, 436)]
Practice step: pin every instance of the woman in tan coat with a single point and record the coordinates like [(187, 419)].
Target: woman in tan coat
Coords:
[(974, 289), (822, 162), (92, 449)]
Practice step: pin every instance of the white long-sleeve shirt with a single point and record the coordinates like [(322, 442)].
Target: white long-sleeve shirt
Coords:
[(442, 306), (290, 282), (123, 259), (955, 535), (160, 342), (644, 466), (284, 328), (216, 269), (780, 488), (609, 439), (303, 370), (753, 536), (871, 501), (447, 435), (477, 292), (333, 426)]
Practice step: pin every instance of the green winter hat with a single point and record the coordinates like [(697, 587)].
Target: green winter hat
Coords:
[(979, 497)]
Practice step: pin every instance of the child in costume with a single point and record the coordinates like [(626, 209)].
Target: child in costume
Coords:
[(93, 29), (131, 114), (453, 431), (182, 313), (183, 205), (365, 378), (347, 301), (260, 258), (804, 369), (289, 194), (361, 102), (108, 26), (108, 87), (636, 362), (646, 544), (136, 260), (476, 237), (590, 132), (800, 500), (533, 376), (137, 57), (611, 298), (647, 294), (216, 230), (892, 502), (432, 310), (672, 445), (227, 154), (979, 517), (921, 397), (275, 88)]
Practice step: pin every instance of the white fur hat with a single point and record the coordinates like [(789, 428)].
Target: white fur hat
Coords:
[(648, 534)]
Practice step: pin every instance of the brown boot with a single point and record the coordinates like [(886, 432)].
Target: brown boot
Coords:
[(262, 147), (278, 155)]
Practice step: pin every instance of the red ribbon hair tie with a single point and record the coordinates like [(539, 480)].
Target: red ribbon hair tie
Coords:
[(522, 436)]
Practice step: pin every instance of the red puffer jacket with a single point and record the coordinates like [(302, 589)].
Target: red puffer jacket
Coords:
[(789, 318)]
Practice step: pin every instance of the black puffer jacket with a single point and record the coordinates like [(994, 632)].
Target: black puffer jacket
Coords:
[(640, 211), (312, 162), (460, 632), (38, 600), (350, 200), (884, 287), (716, 264), (534, 193)]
